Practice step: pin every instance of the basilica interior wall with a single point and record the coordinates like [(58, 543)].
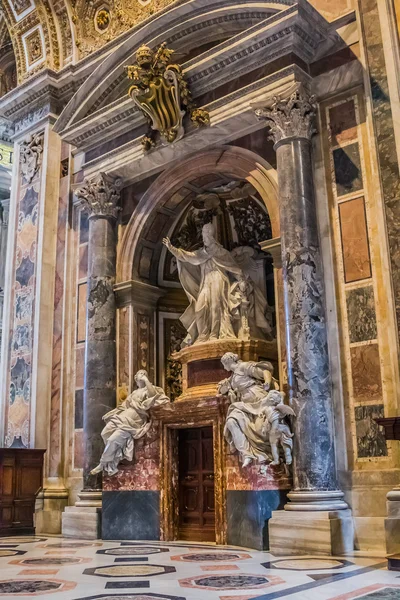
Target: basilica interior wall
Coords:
[(356, 177)]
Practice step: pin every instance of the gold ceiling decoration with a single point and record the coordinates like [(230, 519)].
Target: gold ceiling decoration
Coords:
[(160, 91), (100, 22)]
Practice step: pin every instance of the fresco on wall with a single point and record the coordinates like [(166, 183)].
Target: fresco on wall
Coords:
[(18, 412)]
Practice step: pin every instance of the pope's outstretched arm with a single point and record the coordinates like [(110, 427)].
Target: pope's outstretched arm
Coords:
[(194, 258)]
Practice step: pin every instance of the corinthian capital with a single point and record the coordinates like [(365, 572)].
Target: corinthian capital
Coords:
[(290, 115), (101, 195)]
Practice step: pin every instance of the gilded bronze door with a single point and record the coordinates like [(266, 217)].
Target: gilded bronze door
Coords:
[(196, 485)]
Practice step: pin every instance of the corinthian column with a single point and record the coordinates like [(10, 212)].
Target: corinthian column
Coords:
[(101, 197), (315, 486)]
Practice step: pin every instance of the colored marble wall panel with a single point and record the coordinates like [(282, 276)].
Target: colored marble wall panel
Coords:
[(84, 227), (143, 474), (78, 450), (255, 477), (383, 119), (366, 373), (355, 246), (248, 513), (131, 515), (83, 261), (80, 366), (79, 409), (361, 314), (370, 440), (347, 169), (343, 122), (81, 302)]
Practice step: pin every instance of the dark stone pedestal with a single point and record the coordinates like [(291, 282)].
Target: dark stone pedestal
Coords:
[(248, 513), (132, 515)]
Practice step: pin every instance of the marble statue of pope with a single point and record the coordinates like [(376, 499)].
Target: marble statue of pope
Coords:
[(128, 422), (215, 285)]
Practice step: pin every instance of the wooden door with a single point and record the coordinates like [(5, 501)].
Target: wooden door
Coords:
[(196, 485)]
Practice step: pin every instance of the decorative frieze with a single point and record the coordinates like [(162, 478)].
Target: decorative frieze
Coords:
[(290, 115), (101, 195)]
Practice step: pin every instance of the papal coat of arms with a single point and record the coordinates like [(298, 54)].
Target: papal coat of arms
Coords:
[(161, 92)]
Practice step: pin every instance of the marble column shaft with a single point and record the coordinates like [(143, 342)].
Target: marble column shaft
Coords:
[(100, 354), (291, 122), (306, 335)]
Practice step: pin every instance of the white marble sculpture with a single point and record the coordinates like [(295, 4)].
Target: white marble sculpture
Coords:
[(255, 424), (225, 301), (128, 422)]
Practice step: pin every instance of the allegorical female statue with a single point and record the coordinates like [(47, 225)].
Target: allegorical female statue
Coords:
[(255, 424), (128, 422), (218, 289)]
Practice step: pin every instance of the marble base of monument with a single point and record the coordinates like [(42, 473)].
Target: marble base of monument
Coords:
[(201, 363), (392, 522), (84, 519), (248, 515), (311, 532), (131, 515), (48, 519)]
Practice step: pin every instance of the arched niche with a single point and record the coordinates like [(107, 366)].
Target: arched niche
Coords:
[(239, 163)]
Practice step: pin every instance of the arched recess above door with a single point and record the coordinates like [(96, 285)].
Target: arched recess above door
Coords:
[(239, 163)]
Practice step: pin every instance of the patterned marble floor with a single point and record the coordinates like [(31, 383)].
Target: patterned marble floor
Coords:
[(64, 569)]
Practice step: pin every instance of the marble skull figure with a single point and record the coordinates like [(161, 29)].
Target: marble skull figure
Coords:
[(128, 422), (216, 285), (255, 425)]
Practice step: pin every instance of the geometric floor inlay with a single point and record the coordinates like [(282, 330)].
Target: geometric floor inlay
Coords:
[(307, 564), (373, 592), (230, 582), (211, 557), (21, 540), (70, 545), (59, 561), (24, 587), (10, 552), (129, 570), (132, 551), (143, 596)]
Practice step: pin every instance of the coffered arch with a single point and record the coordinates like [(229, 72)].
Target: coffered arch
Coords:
[(233, 161)]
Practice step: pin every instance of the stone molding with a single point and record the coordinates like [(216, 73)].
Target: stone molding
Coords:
[(31, 156), (137, 293), (290, 115), (101, 195)]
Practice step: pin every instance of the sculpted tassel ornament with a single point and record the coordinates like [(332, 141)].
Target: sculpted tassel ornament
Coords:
[(161, 92)]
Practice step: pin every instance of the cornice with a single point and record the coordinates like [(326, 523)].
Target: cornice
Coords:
[(291, 31)]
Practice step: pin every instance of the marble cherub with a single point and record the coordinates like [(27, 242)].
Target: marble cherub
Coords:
[(256, 422), (127, 423)]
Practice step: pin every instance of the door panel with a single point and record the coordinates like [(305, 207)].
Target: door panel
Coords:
[(196, 485)]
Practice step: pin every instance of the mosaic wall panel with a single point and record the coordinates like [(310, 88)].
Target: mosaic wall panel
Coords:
[(20, 351), (353, 224), (344, 154)]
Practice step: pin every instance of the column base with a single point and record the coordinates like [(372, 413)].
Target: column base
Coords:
[(48, 518), (316, 501), (392, 522), (319, 532), (83, 520)]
